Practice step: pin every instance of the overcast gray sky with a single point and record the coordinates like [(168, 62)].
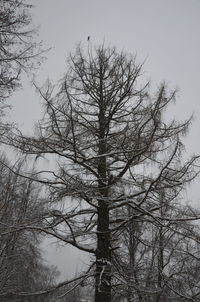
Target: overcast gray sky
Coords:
[(164, 32)]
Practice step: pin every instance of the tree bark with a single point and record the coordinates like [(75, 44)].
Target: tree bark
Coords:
[(103, 253), (103, 256)]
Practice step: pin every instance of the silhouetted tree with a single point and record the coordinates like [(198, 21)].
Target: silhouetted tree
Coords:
[(114, 148)]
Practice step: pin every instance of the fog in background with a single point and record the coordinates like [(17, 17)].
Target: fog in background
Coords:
[(163, 33)]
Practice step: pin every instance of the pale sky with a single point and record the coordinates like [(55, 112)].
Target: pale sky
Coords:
[(164, 32)]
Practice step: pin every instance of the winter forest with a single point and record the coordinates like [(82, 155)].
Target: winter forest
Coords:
[(104, 170)]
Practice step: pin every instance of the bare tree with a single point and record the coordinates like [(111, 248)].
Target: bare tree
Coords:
[(18, 49), (113, 149)]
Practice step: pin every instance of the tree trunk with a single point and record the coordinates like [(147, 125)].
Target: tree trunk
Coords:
[(103, 253), (160, 265), (103, 256)]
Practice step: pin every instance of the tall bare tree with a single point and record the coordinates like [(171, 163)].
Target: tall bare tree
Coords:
[(113, 148)]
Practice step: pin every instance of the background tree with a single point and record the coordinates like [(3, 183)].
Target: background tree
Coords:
[(21, 264), (22, 268), (154, 260), (114, 149), (18, 49)]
